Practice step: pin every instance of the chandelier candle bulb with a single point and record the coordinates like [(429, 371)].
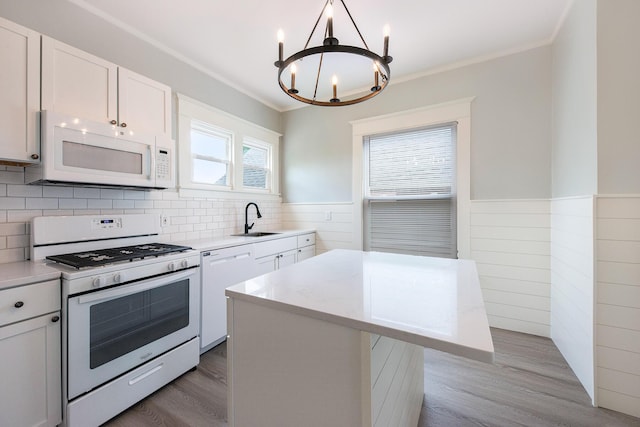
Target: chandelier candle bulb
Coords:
[(330, 20), (280, 45), (334, 82), (386, 30), (293, 69), (376, 78)]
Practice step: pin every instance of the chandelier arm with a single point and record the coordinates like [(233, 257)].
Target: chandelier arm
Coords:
[(316, 25), (354, 24), (315, 90)]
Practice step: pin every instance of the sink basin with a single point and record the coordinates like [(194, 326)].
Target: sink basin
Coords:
[(256, 234)]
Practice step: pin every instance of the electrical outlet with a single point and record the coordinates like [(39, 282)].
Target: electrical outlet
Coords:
[(327, 215), (164, 220)]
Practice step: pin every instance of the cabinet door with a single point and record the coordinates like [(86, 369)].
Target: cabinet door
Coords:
[(20, 89), (144, 105), (77, 83), (287, 258), (306, 252), (30, 370)]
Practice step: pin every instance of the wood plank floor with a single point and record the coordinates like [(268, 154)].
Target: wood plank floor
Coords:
[(529, 384)]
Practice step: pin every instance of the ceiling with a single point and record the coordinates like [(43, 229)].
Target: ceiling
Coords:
[(235, 41)]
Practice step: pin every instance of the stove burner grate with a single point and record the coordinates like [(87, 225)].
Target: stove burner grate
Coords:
[(95, 258)]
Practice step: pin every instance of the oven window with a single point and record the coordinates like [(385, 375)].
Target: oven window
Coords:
[(122, 325)]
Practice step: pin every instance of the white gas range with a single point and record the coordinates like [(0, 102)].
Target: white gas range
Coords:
[(130, 309)]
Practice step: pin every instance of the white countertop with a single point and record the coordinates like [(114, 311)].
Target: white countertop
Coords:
[(432, 302), (25, 272), (229, 241)]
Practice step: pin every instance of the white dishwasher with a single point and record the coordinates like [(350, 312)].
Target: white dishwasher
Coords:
[(220, 269)]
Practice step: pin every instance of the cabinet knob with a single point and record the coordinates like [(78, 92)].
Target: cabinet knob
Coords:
[(113, 122), (18, 304), (123, 125), (35, 156), (54, 319)]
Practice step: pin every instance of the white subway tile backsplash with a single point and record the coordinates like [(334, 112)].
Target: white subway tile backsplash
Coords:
[(18, 241), (143, 204), (12, 203), (59, 192), (11, 177), (99, 204), (41, 203), (134, 194), (72, 203), (13, 229), (22, 215), (24, 190), (86, 193), (111, 194), (123, 204)]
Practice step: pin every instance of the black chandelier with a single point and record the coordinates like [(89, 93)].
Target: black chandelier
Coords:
[(330, 46)]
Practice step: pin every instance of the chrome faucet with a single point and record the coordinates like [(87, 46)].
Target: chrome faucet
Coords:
[(248, 227)]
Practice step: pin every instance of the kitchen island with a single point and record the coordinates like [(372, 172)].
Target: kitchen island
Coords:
[(338, 339)]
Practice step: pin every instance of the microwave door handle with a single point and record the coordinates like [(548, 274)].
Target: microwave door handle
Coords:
[(152, 163), (132, 289)]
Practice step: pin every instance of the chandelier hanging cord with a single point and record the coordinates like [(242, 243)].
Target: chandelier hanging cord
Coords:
[(306, 45), (354, 24)]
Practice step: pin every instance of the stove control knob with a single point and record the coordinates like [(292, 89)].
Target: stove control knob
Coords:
[(118, 278), (97, 282), (184, 263), (172, 266)]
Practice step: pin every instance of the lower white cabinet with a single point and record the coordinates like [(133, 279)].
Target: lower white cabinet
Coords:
[(274, 262), (30, 347), (306, 246)]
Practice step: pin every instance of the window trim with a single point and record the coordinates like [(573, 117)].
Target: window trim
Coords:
[(208, 128), (458, 110), (192, 110)]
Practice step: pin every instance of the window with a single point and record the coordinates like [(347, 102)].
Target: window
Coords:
[(222, 153), (211, 154), (410, 191), (256, 164)]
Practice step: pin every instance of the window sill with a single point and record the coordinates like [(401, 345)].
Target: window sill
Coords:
[(229, 194)]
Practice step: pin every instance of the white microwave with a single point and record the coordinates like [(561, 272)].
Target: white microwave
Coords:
[(79, 152)]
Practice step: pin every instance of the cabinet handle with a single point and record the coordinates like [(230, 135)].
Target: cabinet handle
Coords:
[(54, 319), (18, 304), (123, 125), (35, 156), (113, 122)]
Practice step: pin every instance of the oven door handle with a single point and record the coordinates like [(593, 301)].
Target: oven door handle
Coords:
[(122, 291)]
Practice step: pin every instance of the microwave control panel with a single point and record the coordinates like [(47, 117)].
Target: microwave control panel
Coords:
[(163, 164)]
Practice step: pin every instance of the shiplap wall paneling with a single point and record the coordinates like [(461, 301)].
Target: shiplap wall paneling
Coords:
[(333, 223), (510, 244), (572, 285), (618, 304)]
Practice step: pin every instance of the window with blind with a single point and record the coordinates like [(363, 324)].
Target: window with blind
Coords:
[(410, 192)]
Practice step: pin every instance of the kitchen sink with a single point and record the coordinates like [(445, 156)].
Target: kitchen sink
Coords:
[(256, 234)]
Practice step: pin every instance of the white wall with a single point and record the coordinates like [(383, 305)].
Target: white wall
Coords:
[(572, 285), (574, 107), (510, 130), (510, 244), (618, 95), (618, 303)]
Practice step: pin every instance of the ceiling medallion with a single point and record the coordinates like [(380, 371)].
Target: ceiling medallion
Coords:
[(330, 45)]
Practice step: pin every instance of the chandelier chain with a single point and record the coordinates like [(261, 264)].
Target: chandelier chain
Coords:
[(354, 24)]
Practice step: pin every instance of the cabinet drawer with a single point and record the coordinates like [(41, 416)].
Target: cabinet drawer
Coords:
[(275, 246), (306, 240), (29, 301)]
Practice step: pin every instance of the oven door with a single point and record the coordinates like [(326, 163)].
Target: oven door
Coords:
[(112, 331)]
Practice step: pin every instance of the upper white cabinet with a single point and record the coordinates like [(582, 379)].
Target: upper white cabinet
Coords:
[(20, 99), (80, 84)]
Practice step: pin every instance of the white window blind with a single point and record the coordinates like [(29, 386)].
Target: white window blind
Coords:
[(410, 203)]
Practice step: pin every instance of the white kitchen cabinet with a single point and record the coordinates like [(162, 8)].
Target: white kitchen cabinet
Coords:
[(220, 269), (20, 89), (30, 346), (306, 246), (77, 83), (275, 254)]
